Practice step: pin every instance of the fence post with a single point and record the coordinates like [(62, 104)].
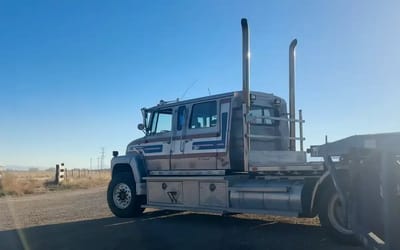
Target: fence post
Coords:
[(57, 175), (60, 173)]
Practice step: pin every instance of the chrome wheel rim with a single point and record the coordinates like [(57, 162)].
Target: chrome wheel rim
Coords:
[(337, 215), (122, 195)]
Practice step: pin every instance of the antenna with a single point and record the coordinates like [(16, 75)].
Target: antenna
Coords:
[(101, 158), (209, 91), (184, 93)]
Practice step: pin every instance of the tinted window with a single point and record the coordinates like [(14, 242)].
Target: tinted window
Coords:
[(181, 117), (204, 115)]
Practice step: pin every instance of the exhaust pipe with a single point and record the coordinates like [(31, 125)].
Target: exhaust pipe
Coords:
[(292, 97), (246, 63), (246, 93)]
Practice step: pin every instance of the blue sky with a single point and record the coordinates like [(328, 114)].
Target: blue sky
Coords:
[(74, 74)]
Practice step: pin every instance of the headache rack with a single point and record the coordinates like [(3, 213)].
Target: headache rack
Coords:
[(251, 118)]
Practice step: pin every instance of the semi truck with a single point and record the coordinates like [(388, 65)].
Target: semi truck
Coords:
[(236, 152)]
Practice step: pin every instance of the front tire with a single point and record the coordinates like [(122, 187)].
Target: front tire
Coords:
[(332, 216), (122, 198)]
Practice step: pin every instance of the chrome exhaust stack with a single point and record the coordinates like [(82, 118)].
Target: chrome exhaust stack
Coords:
[(246, 62), (292, 105), (246, 92)]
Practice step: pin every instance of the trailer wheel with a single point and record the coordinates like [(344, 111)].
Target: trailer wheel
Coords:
[(122, 198), (332, 216)]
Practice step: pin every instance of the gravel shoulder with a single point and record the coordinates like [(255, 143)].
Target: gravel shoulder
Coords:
[(80, 219), (52, 208)]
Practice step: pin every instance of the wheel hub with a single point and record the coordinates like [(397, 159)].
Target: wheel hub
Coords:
[(122, 195)]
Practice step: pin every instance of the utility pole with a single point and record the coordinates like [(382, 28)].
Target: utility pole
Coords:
[(90, 163), (98, 163), (102, 157)]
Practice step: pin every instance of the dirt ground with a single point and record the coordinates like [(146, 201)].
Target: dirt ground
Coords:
[(80, 219)]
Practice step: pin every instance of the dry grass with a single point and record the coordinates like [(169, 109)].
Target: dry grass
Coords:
[(25, 182), (12, 184), (96, 179)]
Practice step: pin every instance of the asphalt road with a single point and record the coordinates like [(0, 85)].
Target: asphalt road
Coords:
[(81, 220)]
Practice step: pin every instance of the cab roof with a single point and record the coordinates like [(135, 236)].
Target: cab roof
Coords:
[(177, 102)]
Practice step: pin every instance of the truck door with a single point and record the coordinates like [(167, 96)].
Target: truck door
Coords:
[(157, 145), (198, 139), (178, 142)]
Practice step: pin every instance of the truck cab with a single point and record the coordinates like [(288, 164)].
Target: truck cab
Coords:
[(207, 133)]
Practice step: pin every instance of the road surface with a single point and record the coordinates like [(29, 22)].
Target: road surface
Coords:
[(80, 219)]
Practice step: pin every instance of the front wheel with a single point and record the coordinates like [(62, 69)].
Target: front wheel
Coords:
[(122, 198), (333, 217)]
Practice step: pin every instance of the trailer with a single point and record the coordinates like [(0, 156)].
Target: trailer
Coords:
[(371, 195), (235, 152)]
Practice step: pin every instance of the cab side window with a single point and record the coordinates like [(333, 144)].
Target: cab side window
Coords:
[(181, 118), (204, 115), (161, 122)]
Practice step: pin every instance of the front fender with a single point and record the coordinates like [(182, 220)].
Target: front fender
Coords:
[(137, 166)]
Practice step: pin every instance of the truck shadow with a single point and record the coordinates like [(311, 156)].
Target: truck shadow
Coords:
[(170, 230)]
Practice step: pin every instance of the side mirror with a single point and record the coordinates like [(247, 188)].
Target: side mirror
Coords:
[(140, 126)]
